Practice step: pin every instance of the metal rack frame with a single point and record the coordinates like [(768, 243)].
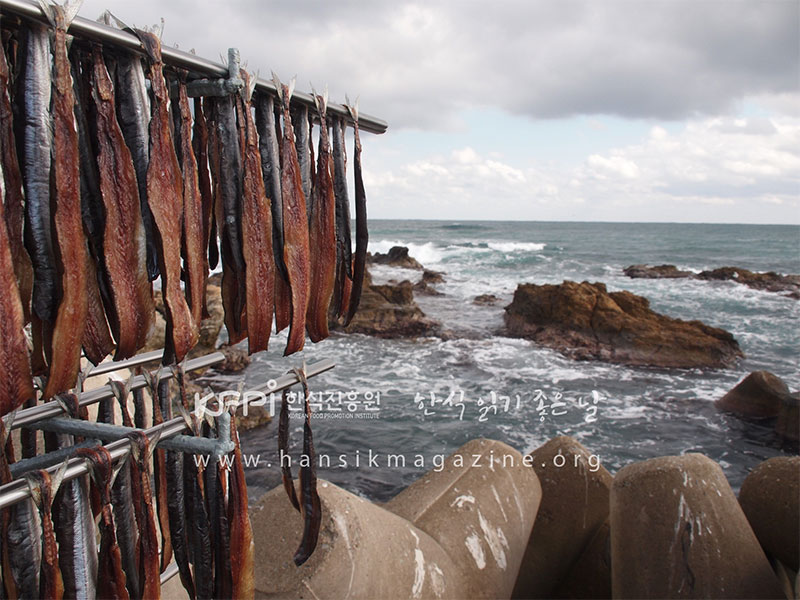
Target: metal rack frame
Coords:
[(178, 58)]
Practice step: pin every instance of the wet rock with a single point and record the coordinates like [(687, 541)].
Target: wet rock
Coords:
[(480, 507), (584, 321), (590, 575), (486, 300), (657, 272), (677, 531), (389, 311), (757, 396), (788, 424), (770, 281), (236, 359), (396, 257), (770, 498), (575, 492), (211, 325), (257, 416), (424, 285)]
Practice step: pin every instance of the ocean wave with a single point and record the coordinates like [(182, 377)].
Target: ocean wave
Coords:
[(516, 246), (428, 253)]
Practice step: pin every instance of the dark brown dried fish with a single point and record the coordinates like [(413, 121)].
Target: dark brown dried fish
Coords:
[(362, 233), (241, 533), (256, 235), (310, 506), (13, 198), (295, 229), (132, 310), (50, 583), (149, 571), (200, 146), (70, 320), (164, 196), (111, 577), (322, 236)]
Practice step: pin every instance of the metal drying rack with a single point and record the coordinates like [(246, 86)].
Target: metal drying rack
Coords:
[(184, 60)]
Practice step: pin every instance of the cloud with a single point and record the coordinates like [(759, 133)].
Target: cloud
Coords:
[(749, 168), (419, 64)]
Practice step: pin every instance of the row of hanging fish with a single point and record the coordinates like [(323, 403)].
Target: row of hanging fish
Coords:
[(111, 181), (113, 532)]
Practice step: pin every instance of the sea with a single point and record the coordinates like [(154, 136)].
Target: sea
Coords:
[(392, 409)]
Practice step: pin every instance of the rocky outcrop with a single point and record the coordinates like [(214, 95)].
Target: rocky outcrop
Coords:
[(677, 531), (770, 281), (770, 498), (757, 396), (389, 311), (787, 425), (396, 257), (657, 272), (424, 285), (584, 321), (486, 300)]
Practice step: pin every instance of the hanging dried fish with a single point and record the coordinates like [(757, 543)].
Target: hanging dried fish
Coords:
[(228, 189), (256, 233), (111, 577), (164, 194), (34, 143), (212, 144), (223, 571), (149, 571), (344, 269), (42, 491), (133, 113), (131, 307), (242, 552), (158, 392), (15, 373), (309, 499), (269, 136), (199, 529), (362, 233), (302, 143), (195, 243), (295, 228), (70, 320), (13, 198), (322, 235), (200, 146)]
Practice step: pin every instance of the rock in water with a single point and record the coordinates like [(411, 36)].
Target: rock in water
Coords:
[(396, 257), (389, 311), (657, 272), (423, 286), (769, 282), (574, 506), (677, 531), (757, 396), (486, 300), (770, 498), (788, 424), (585, 322)]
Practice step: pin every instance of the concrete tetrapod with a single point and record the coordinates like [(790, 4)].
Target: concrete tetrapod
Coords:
[(677, 531), (575, 490), (363, 551), (480, 507)]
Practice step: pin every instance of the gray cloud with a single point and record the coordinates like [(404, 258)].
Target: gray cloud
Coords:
[(417, 65)]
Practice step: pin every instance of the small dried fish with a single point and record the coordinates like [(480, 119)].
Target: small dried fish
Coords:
[(242, 548), (362, 233), (42, 491), (149, 571)]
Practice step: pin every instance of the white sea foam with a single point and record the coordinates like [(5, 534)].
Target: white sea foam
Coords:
[(516, 246), (428, 253)]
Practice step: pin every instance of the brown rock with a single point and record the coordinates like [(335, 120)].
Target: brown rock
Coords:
[(788, 424), (584, 321), (257, 416), (236, 359), (424, 285), (396, 257), (390, 311), (590, 575), (211, 326), (158, 335), (770, 497), (677, 531), (574, 506), (657, 272), (486, 300), (757, 396), (770, 281)]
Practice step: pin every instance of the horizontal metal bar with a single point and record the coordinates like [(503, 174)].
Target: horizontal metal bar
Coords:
[(169, 572), (43, 461), (172, 56), (53, 409), (18, 490), (133, 361)]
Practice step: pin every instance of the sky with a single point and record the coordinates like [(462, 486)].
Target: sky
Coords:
[(597, 110)]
